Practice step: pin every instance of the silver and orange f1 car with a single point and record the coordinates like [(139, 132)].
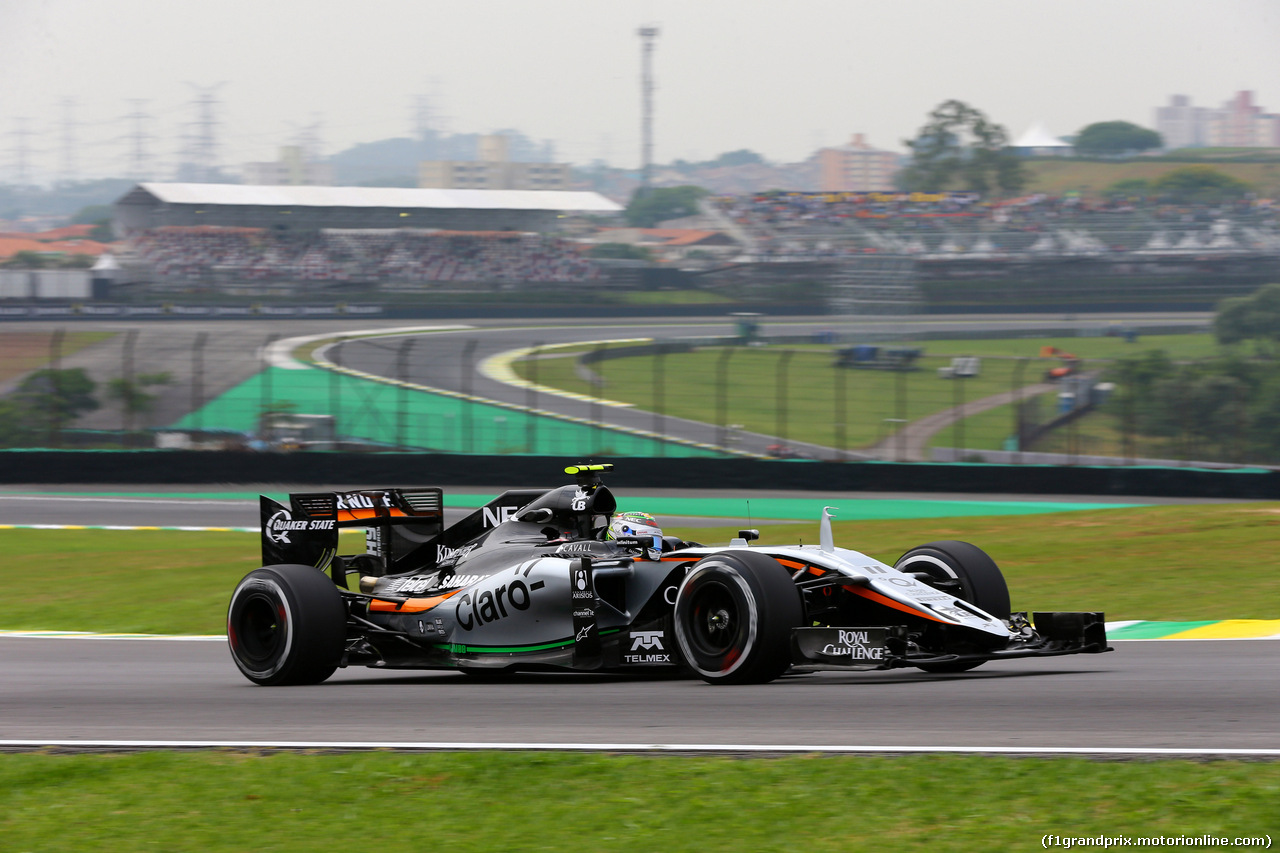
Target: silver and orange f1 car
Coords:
[(533, 580)]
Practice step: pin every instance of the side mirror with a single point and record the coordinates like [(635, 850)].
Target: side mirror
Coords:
[(537, 516)]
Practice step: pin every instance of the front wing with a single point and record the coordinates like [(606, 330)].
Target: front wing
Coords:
[(1054, 633)]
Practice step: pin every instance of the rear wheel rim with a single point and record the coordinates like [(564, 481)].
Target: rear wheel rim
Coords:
[(261, 630)]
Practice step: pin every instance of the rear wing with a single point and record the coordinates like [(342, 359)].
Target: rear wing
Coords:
[(306, 530), (404, 528)]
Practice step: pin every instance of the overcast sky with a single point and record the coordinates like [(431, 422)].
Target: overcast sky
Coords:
[(780, 78)]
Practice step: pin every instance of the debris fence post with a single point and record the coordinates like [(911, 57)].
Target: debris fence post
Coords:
[(127, 387), (839, 390), (55, 360), (531, 398), (900, 412), (402, 401), (659, 397), (597, 390), (781, 395), (266, 425), (334, 355), (197, 384), (1019, 412), (468, 353), (722, 398)]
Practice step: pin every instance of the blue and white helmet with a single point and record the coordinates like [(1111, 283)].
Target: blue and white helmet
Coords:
[(634, 524)]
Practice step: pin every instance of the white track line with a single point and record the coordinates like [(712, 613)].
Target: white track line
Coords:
[(91, 635), (280, 353), (480, 746), (128, 500), (181, 638)]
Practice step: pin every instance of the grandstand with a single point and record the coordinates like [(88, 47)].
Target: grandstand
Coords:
[(226, 237), (953, 248)]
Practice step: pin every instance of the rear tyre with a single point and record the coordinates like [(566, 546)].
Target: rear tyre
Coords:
[(968, 573), (286, 625), (734, 614)]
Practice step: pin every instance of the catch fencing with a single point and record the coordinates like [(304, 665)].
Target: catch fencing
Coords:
[(799, 398)]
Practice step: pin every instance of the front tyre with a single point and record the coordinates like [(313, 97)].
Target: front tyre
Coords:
[(286, 625), (734, 614), (962, 570)]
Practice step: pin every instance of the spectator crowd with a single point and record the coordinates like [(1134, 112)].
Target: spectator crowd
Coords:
[(401, 256), (786, 226)]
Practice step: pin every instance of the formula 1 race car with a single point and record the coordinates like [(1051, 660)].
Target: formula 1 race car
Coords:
[(538, 579)]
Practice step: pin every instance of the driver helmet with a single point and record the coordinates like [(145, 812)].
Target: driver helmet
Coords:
[(635, 524)]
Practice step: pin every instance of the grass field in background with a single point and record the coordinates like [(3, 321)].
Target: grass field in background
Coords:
[(238, 801), (21, 351), (1060, 176), (688, 384), (1153, 563)]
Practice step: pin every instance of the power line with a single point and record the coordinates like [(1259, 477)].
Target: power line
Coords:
[(139, 167), (201, 161), (68, 171), (20, 151)]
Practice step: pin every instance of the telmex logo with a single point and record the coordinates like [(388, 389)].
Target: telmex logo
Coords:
[(646, 640)]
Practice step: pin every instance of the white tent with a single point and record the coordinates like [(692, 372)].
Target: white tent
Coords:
[(1038, 139)]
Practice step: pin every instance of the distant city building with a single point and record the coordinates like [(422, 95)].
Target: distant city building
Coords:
[(291, 170), (857, 167), (1238, 123), (1183, 125), (494, 170)]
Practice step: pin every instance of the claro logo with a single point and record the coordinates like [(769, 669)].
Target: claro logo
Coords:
[(484, 606)]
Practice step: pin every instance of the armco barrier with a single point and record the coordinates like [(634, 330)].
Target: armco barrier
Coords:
[(54, 467)]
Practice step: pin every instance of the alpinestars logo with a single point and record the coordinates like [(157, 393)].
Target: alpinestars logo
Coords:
[(652, 640)]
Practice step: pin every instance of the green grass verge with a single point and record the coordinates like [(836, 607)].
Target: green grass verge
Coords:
[(573, 802), (1144, 563)]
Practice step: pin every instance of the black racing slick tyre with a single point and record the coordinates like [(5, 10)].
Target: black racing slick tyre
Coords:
[(734, 614), (286, 624), (968, 573)]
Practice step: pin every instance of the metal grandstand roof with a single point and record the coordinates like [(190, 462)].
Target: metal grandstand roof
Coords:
[(380, 197)]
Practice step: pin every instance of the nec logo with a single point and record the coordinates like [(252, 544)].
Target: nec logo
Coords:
[(646, 640)]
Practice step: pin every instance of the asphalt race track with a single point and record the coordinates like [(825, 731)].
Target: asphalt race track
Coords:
[(1182, 696), (1153, 697)]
